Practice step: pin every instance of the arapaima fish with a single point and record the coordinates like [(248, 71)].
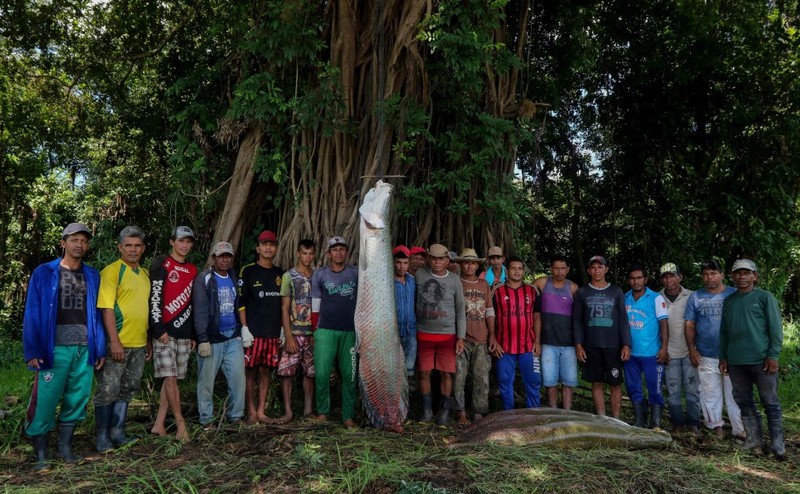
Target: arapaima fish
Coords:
[(381, 368)]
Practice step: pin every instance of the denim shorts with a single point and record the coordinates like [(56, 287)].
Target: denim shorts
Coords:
[(559, 365)]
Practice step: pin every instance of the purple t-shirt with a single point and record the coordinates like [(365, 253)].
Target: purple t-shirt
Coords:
[(337, 293)]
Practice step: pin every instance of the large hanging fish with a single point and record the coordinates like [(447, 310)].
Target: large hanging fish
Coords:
[(381, 368)]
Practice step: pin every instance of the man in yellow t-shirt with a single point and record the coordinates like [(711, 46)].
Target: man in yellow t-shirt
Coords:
[(123, 300)]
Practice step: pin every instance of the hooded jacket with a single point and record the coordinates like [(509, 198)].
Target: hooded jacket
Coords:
[(205, 308)]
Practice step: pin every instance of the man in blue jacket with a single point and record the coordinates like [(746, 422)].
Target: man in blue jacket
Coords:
[(63, 341), (219, 335)]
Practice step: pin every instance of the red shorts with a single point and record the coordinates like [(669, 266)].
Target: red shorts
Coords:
[(264, 352), (439, 355)]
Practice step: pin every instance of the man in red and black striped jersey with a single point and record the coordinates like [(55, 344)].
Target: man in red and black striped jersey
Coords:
[(171, 326), (518, 325)]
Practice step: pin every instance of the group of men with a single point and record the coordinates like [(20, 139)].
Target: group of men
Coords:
[(81, 325)]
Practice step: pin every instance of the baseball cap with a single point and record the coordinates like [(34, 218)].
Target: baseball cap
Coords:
[(183, 232), (452, 255), (74, 228), (401, 251), (600, 259), (744, 264), (495, 252), (334, 241), (223, 248), (267, 236), (419, 250), (438, 250), (669, 267), (469, 255)]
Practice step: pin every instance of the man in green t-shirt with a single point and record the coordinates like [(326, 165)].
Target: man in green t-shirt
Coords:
[(750, 340)]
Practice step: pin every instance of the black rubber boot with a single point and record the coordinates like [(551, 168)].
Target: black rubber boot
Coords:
[(40, 444), (427, 408), (65, 433), (755, 434), (444, 411), (655, 416), (776, 444), (119, 413), (101, 417), (640, 415)]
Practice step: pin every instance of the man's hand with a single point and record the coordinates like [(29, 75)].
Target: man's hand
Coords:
[(694, 357), (117, 351), (662, 357), (148, 351), (723, 367), (459, 346), (770, 366), (625, 354), (100, 363), (204, 349), (193, 346), (163, 339), (580, 353), (34, 363), (247, 337), (537, 349), (494, 347), (291, 343)]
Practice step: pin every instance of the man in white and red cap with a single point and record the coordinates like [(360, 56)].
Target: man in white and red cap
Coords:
[(260, 317)]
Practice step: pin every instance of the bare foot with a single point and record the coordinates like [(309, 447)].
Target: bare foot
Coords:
[(309, 416), (462, 418), (320, 418), (251, 420), (158, 430), (285, 419), (349, 424), (182, 435), (266, 420)]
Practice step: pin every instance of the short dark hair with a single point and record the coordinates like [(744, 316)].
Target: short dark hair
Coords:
[(306, 243), (515, 259), (637, 267), (558, 257), (711, 264)]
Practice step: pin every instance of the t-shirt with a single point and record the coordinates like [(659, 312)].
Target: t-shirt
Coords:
[(337, 292), (514, 308), (171, 297), (599, 318), (705, 309), (677, 347), (557, 314), (297, 288), (489, 276), (751, 330), (644, 315), (260, 297), (71, 316), (404, 294), (440, 304), (226, 298), (126, 291), (477, 299)]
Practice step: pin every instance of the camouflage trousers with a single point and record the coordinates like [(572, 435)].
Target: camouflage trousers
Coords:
[(474, 363), (119, 381)]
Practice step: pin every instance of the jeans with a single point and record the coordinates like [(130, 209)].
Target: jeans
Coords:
[(653, 374), (559, 364), (743, 377), (230, 356), (714, 389), (680, 373), (531, 378), (409, 344)]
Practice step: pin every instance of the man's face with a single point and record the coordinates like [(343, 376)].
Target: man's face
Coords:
[(417, 261), (182, 246), (131, 250), (515, 271), (223, 262), (401, 266), (559, 270), (469, 268), (744, 279), (266, 250), (75, 245), (671, 281), (496, 261), (712, 279), (637, 281), (305, 256), (439, 264), (338, 254), (597, 271)]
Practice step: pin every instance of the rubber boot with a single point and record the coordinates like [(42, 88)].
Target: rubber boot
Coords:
[(776, 439), (655, 416), (640, 415), (119, 413), (101, 440), (40, 444), (754, 434), (427, 408), (64, 448), (444, 411)]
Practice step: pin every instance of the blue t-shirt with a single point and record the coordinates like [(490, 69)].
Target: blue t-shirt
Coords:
[(405, 293), (337, 293), (226, 298), (643, 317), (705, 309)]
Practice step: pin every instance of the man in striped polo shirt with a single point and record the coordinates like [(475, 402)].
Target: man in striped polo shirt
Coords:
[(518, 325)]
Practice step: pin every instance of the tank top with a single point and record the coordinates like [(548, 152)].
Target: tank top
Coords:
[(557, 314)]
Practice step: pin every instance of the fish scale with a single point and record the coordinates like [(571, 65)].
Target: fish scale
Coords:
[(381, 368)]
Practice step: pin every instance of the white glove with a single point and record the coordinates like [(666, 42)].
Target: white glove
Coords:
[(204, 349), (247, 337)]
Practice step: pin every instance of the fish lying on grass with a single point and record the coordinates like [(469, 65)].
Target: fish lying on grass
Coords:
[(382, 367), (560, 428)]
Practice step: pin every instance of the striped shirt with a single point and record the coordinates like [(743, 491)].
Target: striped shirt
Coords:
[(405, 293), (514, 308)]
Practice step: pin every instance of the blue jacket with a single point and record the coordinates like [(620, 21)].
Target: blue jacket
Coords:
[(41, 308), (205, 308)]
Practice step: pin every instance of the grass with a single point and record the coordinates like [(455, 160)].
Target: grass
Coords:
[(317, 458)]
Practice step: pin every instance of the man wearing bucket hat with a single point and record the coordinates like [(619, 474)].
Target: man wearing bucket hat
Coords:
[(475, 361), (750, 341)]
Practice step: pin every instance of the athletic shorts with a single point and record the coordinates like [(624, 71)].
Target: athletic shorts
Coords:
[(439, 355), (264, 352), (603, 365), (290, 362), (171, 359)]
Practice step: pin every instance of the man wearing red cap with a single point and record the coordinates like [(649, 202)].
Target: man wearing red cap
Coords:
[(260, 316), (405, 287), (417, 259)]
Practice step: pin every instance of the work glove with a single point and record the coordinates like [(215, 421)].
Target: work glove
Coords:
[(204, 349), (247, 337)]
